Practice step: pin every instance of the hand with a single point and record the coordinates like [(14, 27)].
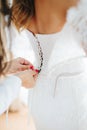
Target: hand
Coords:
[(17, 65), (27, 78)]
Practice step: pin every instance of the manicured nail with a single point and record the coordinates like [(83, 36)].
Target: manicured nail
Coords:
[(32, 67), (37, 70)]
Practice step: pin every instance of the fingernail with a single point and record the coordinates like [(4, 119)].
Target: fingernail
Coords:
[(37, 70), (32, 67)]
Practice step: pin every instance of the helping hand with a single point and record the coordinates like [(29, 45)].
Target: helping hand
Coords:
[(17, 65)]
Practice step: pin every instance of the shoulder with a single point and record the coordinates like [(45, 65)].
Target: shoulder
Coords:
[(77, 17)]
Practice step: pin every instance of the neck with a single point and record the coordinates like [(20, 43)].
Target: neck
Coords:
[(50, 15)]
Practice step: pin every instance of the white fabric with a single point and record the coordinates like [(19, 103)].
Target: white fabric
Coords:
[(9, 90), (59, 99), (78, 18)]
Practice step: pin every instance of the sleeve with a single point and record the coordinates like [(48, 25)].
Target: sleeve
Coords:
[(77, 17), (9, 90)]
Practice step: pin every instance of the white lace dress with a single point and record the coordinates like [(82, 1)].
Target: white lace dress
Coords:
[(59, 99)]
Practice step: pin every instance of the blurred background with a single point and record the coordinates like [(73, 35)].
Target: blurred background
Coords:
[(17, 118)]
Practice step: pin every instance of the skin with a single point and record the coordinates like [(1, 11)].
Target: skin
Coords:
[(17, 65), (21, 68), (50, 15), (28, 78)]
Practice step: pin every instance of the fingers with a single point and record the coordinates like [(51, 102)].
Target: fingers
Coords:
[(23, 67), (27, 67), (34, 73), (35, 76), (24, 64), (24, 61)]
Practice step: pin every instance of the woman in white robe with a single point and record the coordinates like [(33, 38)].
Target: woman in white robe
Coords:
[(59, 99)]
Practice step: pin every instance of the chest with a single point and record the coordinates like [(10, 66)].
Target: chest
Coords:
[(56, 48)]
